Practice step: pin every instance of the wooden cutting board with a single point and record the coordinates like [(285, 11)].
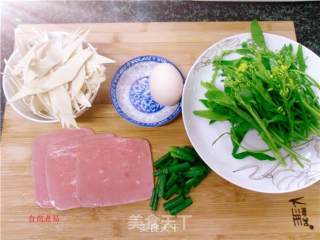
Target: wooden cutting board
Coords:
[(220, 210)]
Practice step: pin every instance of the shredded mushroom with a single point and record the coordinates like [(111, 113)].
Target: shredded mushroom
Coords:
[(57, 75)]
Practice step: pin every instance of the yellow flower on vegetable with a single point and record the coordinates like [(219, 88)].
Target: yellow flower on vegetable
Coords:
[(243, 67)]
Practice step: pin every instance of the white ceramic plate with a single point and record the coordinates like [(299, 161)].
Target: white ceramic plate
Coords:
[(260, 176)]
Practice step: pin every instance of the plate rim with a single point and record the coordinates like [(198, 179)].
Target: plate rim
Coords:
[(245, 34), (116, 77)]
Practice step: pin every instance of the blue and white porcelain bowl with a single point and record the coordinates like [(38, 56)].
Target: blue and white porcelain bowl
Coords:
[(131, 97)]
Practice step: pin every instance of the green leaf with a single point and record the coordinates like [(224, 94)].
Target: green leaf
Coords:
[(208, 114), (257, 34), (205, 102), (287, 54), (277, 118), (232, 63), (209, 86), (258, 155), (246, 94), (220, 98), (268, 102), (244, 116), (244, 51), (300, 59), (266, 62), (238, 130)]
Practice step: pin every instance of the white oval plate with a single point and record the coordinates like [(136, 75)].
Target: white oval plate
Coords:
[(249, 173)]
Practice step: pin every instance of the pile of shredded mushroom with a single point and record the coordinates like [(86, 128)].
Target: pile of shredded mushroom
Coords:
[(58, 75)]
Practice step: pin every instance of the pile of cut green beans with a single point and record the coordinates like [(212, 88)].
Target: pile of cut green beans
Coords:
[(178, 171)]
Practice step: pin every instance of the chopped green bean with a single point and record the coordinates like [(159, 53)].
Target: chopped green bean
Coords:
[(162, 184), (186, 203), (172, 179), (162, 160), (179, 167), (182, 153), (173, 203), (177, 172), (200, 180), (185, 190), (155, 203), (192, 181), (191, 151), (172, 190), (154, 198), (196, 171)]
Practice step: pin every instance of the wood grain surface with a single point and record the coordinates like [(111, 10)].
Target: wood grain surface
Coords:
[(220, 210)]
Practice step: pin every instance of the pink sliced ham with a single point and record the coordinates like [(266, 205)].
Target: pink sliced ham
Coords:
[(61, 177), (38, 160), (112, 171), (61, 171), (77, 168)]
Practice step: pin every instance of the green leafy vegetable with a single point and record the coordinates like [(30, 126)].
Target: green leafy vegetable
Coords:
[(267, 91)]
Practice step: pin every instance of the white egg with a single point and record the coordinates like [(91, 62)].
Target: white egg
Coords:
[(166, 84)]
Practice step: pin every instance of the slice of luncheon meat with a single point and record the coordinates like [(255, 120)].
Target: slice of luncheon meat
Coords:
[(112, 171), (61, 171), (39, 151), (61, 176)]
